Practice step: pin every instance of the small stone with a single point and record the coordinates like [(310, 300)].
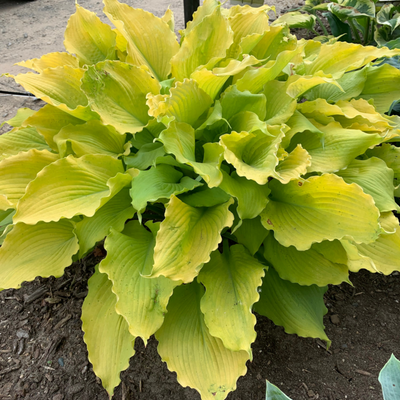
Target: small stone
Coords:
[(335, 319), (25, 35), (76, 388), (58, 396), (44, 35), (3, 31), (84, 369), (5, 114), (61, 361), (49, 377), (22, 334), (9, 44), (310, 393), (344, 346)]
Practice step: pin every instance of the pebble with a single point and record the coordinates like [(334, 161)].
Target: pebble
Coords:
[(49, 377), (5, 114), (25, 35), (61, 361), (9, 44), (310, 393), (76, 388), (58, 396), (22, 334), (335, 319)]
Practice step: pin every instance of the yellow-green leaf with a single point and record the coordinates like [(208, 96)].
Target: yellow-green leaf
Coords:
[(200, 360), (17, 171), (51, 60), (231, 280), (293, 165), (21, 115), (141, 301), (109, 343), (375, 178), (251, 234), (252, 197), (337, 148), (179, 140), (71, 186), (49, 120), (89, 38), (158, 183), (186, 238), (205, 45), (60, 87), (320, 208), (91, 138), (307, 267), (299, 309), (150, 40), (117, 91), (113, 214), (254, 155), (21, 139), (39, 250)]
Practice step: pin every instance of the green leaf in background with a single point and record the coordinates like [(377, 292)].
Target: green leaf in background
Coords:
[(251, 233), (345, 9), (299, 309), (102, 324), (274, 393), (189, 349), (389, 378), (339, 28)]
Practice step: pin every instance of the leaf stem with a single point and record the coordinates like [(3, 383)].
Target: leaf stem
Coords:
[(326, 33), (355, 31)]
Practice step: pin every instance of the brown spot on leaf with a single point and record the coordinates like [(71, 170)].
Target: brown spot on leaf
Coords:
[(269, 222), (300, 183)]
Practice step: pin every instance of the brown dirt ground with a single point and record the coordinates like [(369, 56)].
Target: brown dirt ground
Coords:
[(42, 353)]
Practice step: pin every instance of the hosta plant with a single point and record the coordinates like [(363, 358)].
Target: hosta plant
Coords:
[(235, 170), (359, 21)]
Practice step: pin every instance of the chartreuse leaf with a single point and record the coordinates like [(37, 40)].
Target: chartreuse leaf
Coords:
[(186, 238), (337, 148), (340, 57), (382, 86), (391, 155), (389, 378), (102, 324), (71, 186), (169, 19), (254, 155), (244, 24), (150, 41), (117, 91), (200, 360), (141, 301), (351, 85), (146, 156), (49, 120), (234, 101), (251, 233), (91, 138), (207, 8), (293, 165), (205, 197), (179, 140), (205, 45), (17, 171), (18, 119), (383, 255), (90, 39), (274, 393), (252, 198), (21, 139), (375, 178), (296, 19), (186, 103), (247, 121), (209, 82), (60, 87), (50, 60), (231, 280), (43, 250), (307, 267), (5, 204), (320, 208), (158, 183), (113, 214), (299, 309)]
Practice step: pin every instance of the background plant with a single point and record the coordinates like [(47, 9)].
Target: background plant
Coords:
[(238, 170), (354, 21)]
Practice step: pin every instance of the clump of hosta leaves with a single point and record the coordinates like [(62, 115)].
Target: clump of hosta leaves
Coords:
[(237, 170)]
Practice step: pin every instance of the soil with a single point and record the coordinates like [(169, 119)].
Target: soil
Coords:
[(42, 353)]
